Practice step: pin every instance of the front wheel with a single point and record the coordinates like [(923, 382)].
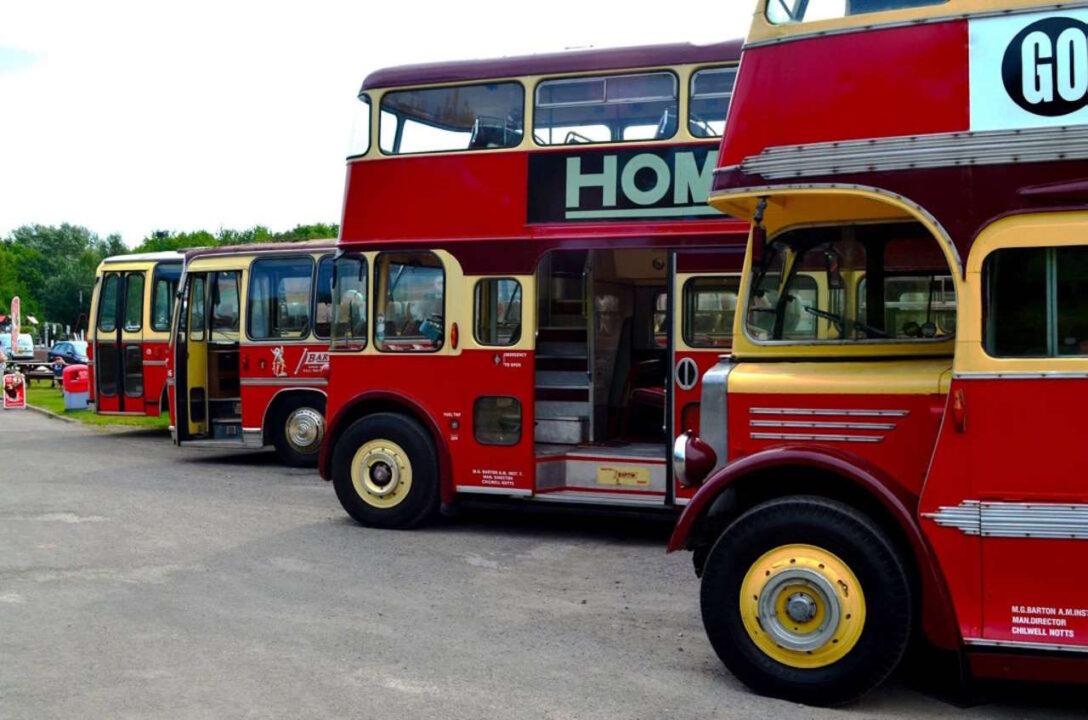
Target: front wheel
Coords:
[(385, 471), (806, 599)]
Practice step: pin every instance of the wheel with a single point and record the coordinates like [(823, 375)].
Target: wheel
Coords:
[(385, 471), (806, 600), (297, 430)]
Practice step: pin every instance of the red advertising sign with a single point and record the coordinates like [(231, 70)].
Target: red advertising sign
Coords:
[(14, 392), (15, 319)]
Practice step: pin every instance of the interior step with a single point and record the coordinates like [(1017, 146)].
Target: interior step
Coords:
[(554, 409), (571, 430), (552, 334), (603, 498), (550, 349), (562, 379), (561, 363), (566, 320)]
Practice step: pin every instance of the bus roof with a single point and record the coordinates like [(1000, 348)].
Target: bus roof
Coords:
[(261, 248), (570, 61), (160, 256)]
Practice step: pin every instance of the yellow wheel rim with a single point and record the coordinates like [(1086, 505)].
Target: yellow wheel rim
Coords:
[(802, 606), (381, 474)]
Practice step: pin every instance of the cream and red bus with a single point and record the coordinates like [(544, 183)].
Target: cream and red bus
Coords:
[(912, 471), (131, 306), (249, 347), (537, 280)]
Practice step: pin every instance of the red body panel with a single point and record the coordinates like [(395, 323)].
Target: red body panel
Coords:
[(262, 378), (898, 81)]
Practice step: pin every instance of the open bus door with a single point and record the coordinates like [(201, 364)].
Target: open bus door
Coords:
[(118, 344), (191, 358), (704, 288)]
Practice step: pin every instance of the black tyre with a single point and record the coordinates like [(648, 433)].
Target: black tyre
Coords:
[(807, 600), (385, 471), (297, 428)]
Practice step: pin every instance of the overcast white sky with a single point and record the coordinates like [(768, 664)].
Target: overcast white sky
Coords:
[(132, 117)]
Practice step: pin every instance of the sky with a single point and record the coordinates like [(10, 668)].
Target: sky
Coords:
[(131, 117)]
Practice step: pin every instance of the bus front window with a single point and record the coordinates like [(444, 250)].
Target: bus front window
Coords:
[(780, 12), (349, 306)]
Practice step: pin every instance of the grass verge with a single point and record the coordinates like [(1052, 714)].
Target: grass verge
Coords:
[(52, 399)]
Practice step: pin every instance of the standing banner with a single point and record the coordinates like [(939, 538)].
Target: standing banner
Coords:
[(14, 392), (14, 323)]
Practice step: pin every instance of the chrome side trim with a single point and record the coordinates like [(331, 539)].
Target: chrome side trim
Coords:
[(1019, 645), (477, 490), (253, 438), (714, 411), (913, 152), (285, 382), (1041, 521), (154, 363), (816, 425), (826, 412), (1042, 375), (818, 438)]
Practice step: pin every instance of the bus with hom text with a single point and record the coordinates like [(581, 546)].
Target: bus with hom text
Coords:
[(129, 330), (249, 347), (914, 470), (534, 280)]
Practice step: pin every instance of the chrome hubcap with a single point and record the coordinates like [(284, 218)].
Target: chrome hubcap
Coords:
[(802, 606), (304, 429), (383, 474)]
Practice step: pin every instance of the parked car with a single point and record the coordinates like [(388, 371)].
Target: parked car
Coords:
[(71, 351), (24, 351)]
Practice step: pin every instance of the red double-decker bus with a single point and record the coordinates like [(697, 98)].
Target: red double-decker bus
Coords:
[(530, 283), (912, 468)]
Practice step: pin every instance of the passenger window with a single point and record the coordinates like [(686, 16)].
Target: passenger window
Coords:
[(196, 309), (225, 308), (711, 91), (464, 117), (107, 305), (279, 298), (661, 319), (164, 285), (709, 306), (349, 303), (796, 11), (134, 302), (497, 421), (409, 307), (915, 306), (359, 143), (498, 311), (614, 108), (1036, 302), (323, 299)]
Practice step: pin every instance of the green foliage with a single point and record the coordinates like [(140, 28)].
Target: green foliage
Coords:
[(51, 268)]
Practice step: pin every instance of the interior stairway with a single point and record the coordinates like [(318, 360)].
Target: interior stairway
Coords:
[(563, 379)]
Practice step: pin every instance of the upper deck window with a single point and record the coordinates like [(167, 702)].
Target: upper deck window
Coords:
[(464, 117), (614, 108), (360, 128), (711, 91), (795, 11)]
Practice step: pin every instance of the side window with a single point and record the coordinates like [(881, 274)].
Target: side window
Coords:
[(795, 11), (196, 309), (612, 108), (409, 305), (107, 303), (349, 303), (225, 308), (661, 319), (164, 284), (134, 302), (497, 420), (323, 299), (359, 143), (462, 117), (279, 298), (498, 311), (709, 306), (711, 91), (1036, 302)]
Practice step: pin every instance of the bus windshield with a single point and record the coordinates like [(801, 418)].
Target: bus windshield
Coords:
[(796, 11), (349, 304), (850, 284)]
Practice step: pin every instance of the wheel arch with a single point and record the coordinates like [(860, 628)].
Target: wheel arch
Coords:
[(282, 396), (782, 472), (378, 401)]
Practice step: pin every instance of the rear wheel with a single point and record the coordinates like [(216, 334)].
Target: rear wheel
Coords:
[(385, 471), (806, 599), (297, 430)]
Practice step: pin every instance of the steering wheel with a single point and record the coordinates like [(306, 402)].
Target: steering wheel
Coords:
[(703, 124)]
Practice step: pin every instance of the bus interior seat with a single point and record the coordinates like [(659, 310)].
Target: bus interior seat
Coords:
[(666, 127), (492, 133)]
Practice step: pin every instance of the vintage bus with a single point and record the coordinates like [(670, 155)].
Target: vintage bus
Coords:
[(249, 348), (911, 472), (530, 283), (131, 306)]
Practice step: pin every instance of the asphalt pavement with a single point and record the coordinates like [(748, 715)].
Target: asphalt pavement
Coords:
[(140, 580)]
